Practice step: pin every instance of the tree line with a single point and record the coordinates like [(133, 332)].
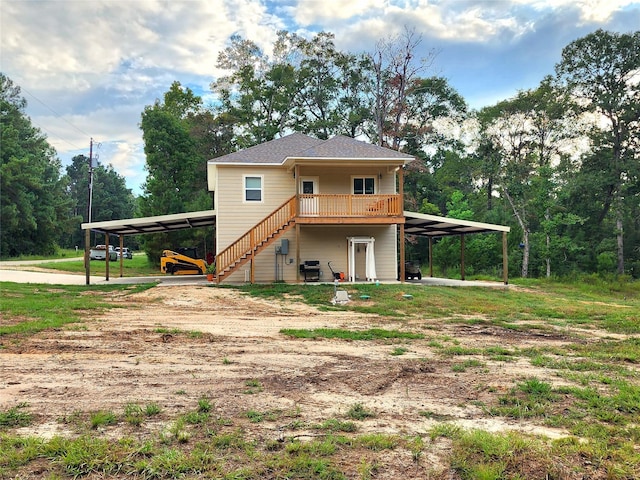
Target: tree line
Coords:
[(558, 163)]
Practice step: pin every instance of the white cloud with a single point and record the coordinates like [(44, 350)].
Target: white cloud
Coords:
[(308, 12), (96, 64)]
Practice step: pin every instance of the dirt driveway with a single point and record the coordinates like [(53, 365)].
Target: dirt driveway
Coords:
[(174, 345)]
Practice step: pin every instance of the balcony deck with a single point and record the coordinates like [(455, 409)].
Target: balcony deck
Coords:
[(349, 209)]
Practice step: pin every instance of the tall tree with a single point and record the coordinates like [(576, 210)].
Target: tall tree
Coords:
[(526, 134), (260, 93), (601, 71), (176, 179), (111, 199), (34, 206), (394, 72)]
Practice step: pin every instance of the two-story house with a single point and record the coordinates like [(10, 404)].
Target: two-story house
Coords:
[(288, 207), (299, 208)]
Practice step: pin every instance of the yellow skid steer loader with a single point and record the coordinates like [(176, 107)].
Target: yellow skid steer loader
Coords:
[(182, 262)]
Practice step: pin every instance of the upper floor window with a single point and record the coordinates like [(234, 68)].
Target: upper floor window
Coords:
[(364, 185), (252, 188)]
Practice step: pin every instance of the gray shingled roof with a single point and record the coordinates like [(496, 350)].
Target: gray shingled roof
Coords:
[(298, 145), (274, 151), (347, 147)]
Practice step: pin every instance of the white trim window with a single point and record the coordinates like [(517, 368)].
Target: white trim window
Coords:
[(253, 188), (364, 185)]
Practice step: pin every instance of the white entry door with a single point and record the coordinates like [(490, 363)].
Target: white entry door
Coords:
[(309, 186)]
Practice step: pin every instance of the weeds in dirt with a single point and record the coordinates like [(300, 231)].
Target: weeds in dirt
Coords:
[(254, 386), (15, 417), (370, 334), (463, 366), (399, 351), (102, 418), (152, 409), (359, 412), (589, 389), (204, 405), (335, 425)]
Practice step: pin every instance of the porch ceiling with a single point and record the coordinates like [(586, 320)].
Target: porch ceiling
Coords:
[(160, 223), (435, 226)]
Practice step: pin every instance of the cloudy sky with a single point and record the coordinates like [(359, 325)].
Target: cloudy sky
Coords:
[(87, 68)]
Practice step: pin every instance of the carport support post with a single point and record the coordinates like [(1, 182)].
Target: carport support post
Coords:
[(431, 257), (121, 256), (87, 259), (402, 271), (505, 259), (462, 257), (402, 239), (297, 252), (106, 258)]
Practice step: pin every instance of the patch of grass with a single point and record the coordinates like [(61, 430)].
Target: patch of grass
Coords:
[(204, 405), (152, 409), (359, 412), (462, 367), (399, 351), (371, 334), (254, 386), (378, 441), (30, 308), (257, 417), (133, 414), (102, 418), (15, 417), (138, 266), (196, 418), (531, 398), (434, 416), (458, 350), (334, 425), (171, 331)]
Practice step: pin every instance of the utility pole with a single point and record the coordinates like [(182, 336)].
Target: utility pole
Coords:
[(87, 232)]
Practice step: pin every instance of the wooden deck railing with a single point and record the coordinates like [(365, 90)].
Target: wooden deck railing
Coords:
[(252, 241), (350, 205)]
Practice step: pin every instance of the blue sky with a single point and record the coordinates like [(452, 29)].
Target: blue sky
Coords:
[(87, 68)]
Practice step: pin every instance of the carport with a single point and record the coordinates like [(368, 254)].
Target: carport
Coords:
[(433, 226), (136, 226)]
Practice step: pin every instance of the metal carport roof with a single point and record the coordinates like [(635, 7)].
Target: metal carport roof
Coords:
[(435, 226), (160, 223)]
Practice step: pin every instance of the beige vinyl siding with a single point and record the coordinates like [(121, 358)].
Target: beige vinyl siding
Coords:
[(236, 217), (212, 175), (338, 180), (324, 243), (330, 244)]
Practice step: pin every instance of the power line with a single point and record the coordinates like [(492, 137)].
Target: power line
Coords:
[(51, 134), (56, 113)]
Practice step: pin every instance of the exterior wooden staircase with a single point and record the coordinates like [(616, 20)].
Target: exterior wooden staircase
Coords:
[(255, 240)]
